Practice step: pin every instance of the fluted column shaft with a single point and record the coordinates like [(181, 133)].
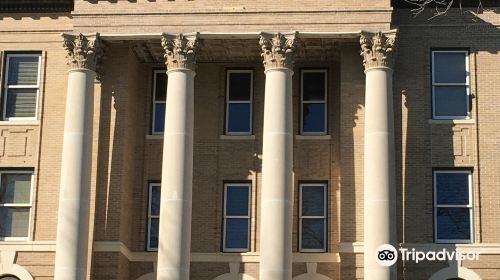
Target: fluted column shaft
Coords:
[(73, 212), (277, 159), (379, 166), (174, 247)]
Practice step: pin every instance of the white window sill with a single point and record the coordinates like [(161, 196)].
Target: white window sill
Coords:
[(10, 240), (313, 137), (456, 121), (237, 137), (154, 136), (20, 122)]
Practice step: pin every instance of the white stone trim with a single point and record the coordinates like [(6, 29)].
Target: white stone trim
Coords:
[(482, 248), (237, 137), (455, 121), (8, 267), (154, 136), (234, 269), (235, 35), (311, 273), (28, 246), (148, 276), (347, 247), (313, 137), (249, 257), (455, 270), (21, 123)]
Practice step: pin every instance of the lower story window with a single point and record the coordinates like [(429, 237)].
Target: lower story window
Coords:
[(236, 217), (453, 206), (15, 204), (153, 216), (313, 217)]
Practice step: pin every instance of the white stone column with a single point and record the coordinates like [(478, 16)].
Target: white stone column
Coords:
[(84, 53), (277, 159), (379, 166), (174, 248)]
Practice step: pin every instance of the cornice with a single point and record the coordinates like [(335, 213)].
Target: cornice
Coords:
[(39, 6)]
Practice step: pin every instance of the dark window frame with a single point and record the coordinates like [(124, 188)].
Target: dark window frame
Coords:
[(470, 205), (326, 100), (467, 84), (325, 186), (241, 183), (227, 101)]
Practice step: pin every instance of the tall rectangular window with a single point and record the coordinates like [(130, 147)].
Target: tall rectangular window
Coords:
[(21, 86), (314, 113), (153, 216), (313, 217), (450, 85), (15, 204), (236, 217), (453, 206), (239, 91), (160, 80)]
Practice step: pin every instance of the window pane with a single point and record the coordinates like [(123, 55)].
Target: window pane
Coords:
[(453, 223), (313, 233), (313, 201), (450, 101), (159, 125), (313, 86), (21, 103), (155, 200), (452, 188), (239, 117), (240, 86), (236, 233), (14, 222), (23, 70), (153, 232), (161, 87), (449, 67), (237, 201), (313, 117), (15, 188)]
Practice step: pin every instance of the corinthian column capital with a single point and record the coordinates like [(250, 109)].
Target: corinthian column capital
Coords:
[(180, 50), (84, 52), (377, 49), (278, 50)]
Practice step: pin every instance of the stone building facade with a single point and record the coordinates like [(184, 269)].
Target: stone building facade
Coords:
[(289, 140)]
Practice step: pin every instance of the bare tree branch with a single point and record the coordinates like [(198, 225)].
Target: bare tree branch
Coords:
[(441, 7)]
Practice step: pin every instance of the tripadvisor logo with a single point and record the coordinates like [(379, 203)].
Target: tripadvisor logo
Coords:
[(387, 255)]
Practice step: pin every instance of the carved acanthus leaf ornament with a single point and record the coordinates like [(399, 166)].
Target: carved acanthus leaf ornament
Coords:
[(180, 51), (278, 50), (377, 49), (84, 52)]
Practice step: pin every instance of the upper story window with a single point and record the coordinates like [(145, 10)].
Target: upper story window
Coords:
[(153, 216), (450, 85), (313, 217), (313, 101), (239, 91), (236, 217), (21, 86), (15, 204), (160, 79), (453, 206)]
